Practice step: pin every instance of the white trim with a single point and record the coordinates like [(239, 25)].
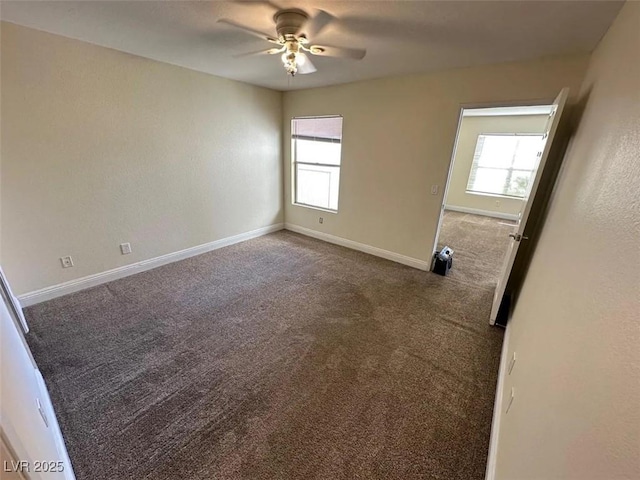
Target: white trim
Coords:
[(72, 286), (492, 457), (63, 454), (508, 111), (13, 304), (486, 213), (445, 190), (313, 207), (362, 247), (493, 195)]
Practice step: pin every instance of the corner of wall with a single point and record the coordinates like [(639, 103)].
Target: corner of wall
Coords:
[(574, 327)]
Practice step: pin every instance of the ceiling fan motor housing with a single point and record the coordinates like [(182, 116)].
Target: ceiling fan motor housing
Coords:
[(289, 22)]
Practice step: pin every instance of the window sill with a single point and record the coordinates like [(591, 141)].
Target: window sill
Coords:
[(312, 207), (496, 195)]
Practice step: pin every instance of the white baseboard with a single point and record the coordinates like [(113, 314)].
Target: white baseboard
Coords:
[(492, 457), (362, 247), (72, 286), (486, 213)]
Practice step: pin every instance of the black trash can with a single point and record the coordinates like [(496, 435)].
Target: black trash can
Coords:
[(443, 261)]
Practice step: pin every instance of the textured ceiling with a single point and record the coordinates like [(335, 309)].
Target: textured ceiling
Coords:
[(400, 36)]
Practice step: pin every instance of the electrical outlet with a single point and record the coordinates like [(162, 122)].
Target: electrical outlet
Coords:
[(125, 248), (434, 189), (66, 262), (497, 203), (320, 220), (511, 398)]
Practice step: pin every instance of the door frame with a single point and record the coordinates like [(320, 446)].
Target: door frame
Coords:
[(9, 431), (462, 108)]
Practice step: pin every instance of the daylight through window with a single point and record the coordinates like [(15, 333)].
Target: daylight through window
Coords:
[(316, 144), (504, 164)]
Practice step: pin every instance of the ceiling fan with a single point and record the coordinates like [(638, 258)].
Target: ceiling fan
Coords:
[(293, 29)]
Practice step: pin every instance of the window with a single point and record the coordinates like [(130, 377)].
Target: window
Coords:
[(316, 153), (504, 164)]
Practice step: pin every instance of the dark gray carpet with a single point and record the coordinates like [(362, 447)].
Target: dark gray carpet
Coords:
[(278, 358), (480, 244)]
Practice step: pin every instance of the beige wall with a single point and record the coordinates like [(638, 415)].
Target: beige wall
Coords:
[(398, 139), (575, 329), (100, 147), (470, 128)]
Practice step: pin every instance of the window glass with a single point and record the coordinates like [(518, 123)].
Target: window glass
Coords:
[(316, 149), (504, 164)]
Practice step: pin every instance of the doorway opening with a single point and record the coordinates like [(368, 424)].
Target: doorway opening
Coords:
[(495, 170)]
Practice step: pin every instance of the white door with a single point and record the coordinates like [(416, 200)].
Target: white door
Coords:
[(12, 302), (27, 420), (518, 233)]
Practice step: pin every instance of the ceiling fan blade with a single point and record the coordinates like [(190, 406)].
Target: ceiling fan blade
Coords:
[(249, 30), (314, 26), (338, 52), (270, 51), (273, 51), (267, 3), (306, 66)]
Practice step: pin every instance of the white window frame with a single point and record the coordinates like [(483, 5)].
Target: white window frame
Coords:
[(474, 166), (295, 163)]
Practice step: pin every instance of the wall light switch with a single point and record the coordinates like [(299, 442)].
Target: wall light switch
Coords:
[(66, 262), (125, 248), (434, 189)]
